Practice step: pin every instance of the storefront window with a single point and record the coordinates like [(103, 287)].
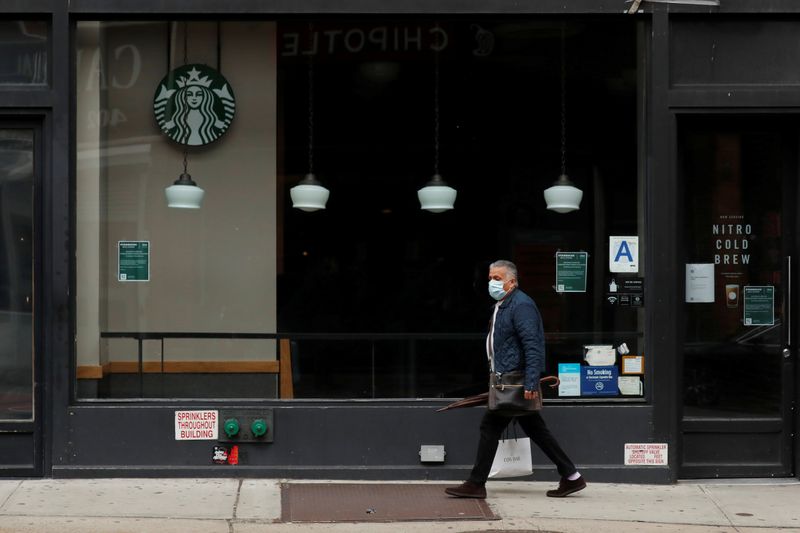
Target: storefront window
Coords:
[(371, 297), (16, 274), (23, 52)]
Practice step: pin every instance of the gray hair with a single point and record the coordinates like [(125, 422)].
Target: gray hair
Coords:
[(508, 265)]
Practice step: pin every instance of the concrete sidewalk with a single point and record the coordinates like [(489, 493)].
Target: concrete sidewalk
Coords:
[(248, 506)]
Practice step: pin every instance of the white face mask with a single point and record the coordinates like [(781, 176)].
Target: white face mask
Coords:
[(496, 290)]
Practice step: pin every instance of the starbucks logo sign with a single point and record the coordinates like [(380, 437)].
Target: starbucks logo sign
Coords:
[(194, 105)]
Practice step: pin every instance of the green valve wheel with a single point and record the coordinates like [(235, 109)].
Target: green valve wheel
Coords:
[(231, 427), (258, 427)]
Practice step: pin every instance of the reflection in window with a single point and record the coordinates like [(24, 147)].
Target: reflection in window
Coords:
[(23, 52)]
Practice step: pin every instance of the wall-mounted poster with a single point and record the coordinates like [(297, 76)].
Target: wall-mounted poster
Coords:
[(759, 306), (133, 261), (571, 271)]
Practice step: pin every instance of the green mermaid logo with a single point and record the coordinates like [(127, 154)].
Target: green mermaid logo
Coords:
[(194, 105)]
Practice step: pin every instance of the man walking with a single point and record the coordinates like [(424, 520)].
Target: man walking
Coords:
[(516, 342)]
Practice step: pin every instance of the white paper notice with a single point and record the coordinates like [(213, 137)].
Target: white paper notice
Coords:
[(569, 374), (599, 355), (633, 364), (630, 385), (623, 254), (699, 283)]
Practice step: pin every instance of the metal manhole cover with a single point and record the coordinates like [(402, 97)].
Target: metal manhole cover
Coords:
[(355, 502)]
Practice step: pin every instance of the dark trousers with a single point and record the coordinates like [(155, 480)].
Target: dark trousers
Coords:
[(533, 425)]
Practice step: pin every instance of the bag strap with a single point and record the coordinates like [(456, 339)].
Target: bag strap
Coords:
[(507, 433)]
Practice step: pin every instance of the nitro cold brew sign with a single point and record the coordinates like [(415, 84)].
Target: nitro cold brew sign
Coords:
[(194, 105), (731, 241)]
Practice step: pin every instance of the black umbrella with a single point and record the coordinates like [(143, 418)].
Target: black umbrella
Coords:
[(483, 399)]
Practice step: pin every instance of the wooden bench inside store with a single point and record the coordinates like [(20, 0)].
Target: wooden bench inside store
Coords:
[(282, 367)]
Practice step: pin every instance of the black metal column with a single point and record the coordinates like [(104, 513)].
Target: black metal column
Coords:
[(664, 282), (59, 273)]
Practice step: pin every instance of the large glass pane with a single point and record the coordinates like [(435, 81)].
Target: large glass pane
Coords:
[(373, 263), (23, 52), (208, 270), (735, 193), (16, 274), (376, 298)]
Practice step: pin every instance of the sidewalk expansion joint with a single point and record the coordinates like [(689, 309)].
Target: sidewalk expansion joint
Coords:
[(235, 506), (718, 506), (10, 494)]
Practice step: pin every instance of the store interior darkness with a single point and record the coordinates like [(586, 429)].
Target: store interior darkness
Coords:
[(374, 264), (16, 273), (742, 172)]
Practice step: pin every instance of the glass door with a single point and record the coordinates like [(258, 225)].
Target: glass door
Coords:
[(19, 437), (740, 184)]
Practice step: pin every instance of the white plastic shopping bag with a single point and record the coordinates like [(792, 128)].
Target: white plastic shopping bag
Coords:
[(513, 459)]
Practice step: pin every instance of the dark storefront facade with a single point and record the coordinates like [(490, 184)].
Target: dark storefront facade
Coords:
[(138, 336)]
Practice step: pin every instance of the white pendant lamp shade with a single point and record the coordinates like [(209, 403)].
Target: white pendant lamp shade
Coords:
[(184, 193), (309, 194), (437, 196), (563, 196)]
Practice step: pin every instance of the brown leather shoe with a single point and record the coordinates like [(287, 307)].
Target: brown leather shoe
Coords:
[(468, 489), (567, 487)]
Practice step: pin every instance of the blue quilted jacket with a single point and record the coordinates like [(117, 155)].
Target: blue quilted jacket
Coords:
[(519, 338)]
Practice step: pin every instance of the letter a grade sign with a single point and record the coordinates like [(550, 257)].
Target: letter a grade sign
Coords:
[(623, 254)]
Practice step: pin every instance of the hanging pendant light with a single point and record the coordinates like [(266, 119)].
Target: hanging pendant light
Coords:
[(309, 194), (184, 193), (563, 196), (436, 196)]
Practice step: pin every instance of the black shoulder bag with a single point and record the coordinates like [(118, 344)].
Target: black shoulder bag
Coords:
[(507, 394)]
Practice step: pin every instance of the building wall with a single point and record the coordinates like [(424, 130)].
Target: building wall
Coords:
[(89, 438)]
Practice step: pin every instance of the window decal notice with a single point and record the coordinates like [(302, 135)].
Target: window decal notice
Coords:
[(623, 254), (133, 261), (759, 306), (571, 271)]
